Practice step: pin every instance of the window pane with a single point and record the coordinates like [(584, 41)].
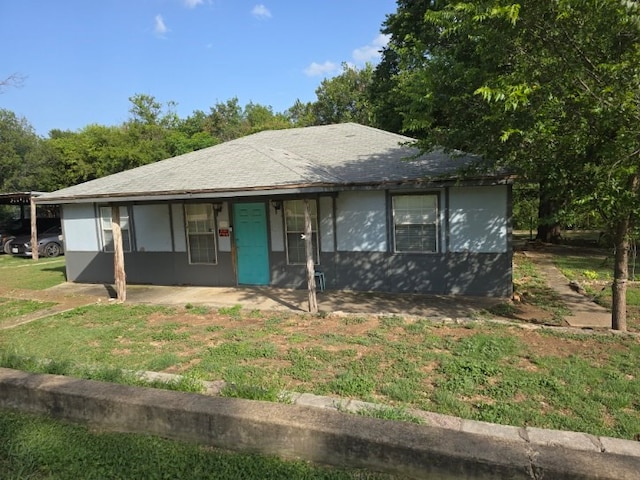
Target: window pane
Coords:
[(107, 229), (416, 238), (296, 248), (199, 218), (200, 223), (294, 225), (415, 220), (202, 248)]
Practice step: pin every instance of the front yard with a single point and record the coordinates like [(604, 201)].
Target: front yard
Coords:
[(478, 369)]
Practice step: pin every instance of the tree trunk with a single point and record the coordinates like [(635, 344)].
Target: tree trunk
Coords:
[(34, 231), (621, 267), (549, 230), (308, 247), (620, 275), (118, 255)]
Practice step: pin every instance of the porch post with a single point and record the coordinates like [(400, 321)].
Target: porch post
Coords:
[(34, 229), (308, 247), (118, 255)]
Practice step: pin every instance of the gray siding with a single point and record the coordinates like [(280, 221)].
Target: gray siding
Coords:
[(475, 259)]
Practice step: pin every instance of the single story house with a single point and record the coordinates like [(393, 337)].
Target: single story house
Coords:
[(384, 218)]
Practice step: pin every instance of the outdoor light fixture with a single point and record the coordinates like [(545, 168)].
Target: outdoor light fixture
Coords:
[(277, 205), (217, 207)]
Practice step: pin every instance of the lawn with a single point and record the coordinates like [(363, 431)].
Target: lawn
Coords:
[(481, 369), (35, 447), (24, 273)]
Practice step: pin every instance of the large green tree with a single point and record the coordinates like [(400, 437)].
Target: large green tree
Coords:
[(340, 99), (549, 89)]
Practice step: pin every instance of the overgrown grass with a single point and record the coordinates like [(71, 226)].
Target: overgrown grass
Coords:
[(24, 273), (481, 371), (35, 447)]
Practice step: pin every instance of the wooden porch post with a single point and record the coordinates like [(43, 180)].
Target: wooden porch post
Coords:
[(308, 247), (118, 255), (34, 230)]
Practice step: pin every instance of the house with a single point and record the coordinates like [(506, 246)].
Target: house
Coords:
[(383, 218)]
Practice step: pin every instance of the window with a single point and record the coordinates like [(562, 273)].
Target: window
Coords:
[(201, 233), (294, 226), (415, 223), (107, 229)]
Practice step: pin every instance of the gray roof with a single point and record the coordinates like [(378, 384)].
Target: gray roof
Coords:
[(274, 161)]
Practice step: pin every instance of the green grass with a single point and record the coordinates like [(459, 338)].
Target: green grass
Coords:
[(12, 308), (481, 371), (35, 447), (24, 273)]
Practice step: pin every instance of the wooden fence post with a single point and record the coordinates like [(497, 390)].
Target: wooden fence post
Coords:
[(34, 230), (118, 255), (308, 247)]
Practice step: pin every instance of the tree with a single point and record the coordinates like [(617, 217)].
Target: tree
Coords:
[(343, 98), (548, 89)]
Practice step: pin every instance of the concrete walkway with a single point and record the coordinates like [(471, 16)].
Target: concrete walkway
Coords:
[(267, 298), (585, 313)]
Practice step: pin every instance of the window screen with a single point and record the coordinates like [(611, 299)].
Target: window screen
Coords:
[(201, 233), (107, 229), (415, 223), (294, 226)]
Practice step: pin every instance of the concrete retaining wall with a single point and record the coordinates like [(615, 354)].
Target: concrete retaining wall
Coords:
[(321, 435)]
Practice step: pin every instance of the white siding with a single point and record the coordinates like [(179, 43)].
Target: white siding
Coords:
[(478, 219), (222, 221), (79, 228), (326, 224), (179, 235), (152, 228), (276, 226), (361, 222)]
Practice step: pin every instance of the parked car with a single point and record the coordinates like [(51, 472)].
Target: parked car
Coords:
[(22, 226), (50, 243)]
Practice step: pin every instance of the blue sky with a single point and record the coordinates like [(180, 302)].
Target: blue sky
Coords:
[(83, 59)]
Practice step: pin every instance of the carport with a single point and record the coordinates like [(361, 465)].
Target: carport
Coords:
[(24, 201)]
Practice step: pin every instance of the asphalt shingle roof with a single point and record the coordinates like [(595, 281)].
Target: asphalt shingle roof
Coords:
[(332, 156)]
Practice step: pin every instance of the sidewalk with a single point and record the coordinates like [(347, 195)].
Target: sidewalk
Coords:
[(585, 313)]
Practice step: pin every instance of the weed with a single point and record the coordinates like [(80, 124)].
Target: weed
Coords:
[(234, 312), (197, 309), (390, 413), (590, 274), (162, 362), (354, 320), (391, 321)]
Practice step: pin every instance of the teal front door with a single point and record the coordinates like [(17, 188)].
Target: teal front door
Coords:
[(252, 248)]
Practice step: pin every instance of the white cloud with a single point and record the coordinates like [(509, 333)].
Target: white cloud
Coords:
[(193, 3), (371, 52), (316, 69), (260, 11), (160, 28)]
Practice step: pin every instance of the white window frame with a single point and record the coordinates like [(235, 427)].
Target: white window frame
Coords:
[(298, 207), (208, 230), (106, 221), (430, 216)]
